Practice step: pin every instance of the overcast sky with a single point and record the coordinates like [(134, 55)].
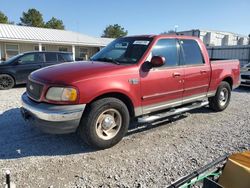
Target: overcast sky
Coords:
[(139, 16)]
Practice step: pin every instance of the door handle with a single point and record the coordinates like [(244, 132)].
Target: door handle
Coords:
[(176, 74), (203, 71)]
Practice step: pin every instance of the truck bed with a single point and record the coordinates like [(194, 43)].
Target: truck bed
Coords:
[(223, 68)]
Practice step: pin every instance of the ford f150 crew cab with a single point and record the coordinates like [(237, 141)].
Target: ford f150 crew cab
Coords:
[(137, 78)]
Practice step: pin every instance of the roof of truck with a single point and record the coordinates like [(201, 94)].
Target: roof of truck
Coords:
[(165, 36)]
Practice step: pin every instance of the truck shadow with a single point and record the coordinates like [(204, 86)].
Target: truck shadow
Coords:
[(242, 89), (18, 140)]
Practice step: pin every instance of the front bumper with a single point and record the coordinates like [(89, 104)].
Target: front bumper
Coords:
[(245, 82), (245, 79), (50, 118)]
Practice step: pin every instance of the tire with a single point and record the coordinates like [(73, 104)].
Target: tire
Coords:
[(222, 97), (95, 128), (6, 82)]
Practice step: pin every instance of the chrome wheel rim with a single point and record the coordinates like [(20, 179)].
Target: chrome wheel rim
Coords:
[(108, 124), (5, 82), (223, 97)]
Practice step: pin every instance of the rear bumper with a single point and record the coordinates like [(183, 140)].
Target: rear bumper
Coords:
[(54, 119)]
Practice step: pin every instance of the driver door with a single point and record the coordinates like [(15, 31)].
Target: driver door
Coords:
[(162, 87), (27, 64)]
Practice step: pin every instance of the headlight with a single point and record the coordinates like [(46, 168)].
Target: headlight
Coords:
[(61, 94)]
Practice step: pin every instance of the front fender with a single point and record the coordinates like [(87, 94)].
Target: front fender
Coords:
[(91, 89)]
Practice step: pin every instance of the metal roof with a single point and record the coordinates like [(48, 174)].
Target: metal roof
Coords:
[(43, 35)]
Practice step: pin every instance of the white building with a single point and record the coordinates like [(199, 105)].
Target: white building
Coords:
[(217, 38), (16, 39)]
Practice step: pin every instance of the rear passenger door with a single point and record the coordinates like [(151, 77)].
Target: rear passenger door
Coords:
[(50, 58), (196, 71)]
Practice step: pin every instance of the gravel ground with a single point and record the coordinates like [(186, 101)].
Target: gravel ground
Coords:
[(151, 156)]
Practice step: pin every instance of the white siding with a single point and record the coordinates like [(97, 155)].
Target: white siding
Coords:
[(25, 47)]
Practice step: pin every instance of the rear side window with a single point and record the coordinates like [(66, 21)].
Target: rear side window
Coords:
[(65, 57), (50, 57), (167, 48), (191, 52)]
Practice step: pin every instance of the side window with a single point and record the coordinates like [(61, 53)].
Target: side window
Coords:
[(65, 57), (191, 52), (31, 58), (167, 48), (51, 57)]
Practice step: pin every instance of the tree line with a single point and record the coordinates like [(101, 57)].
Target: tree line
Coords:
[(34, 18)]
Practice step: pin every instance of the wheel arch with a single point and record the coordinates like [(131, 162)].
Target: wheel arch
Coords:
[(121, 96), (9, 74), (229, 80)]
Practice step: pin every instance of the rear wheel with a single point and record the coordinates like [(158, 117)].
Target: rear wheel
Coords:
[(104, 123), (6, 81), (222, 97)]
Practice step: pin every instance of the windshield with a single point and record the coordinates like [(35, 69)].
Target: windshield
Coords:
[(11, 59), (128, 50)]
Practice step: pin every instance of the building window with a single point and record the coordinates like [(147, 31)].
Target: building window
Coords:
[(36, 48), (83, 53), (11, 50), (63, 49)]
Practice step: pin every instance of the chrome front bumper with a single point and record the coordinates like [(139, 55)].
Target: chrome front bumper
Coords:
[(50, 118)]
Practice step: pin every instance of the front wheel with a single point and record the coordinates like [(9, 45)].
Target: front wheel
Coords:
[(104, 123), (222, 97), (6, 82)]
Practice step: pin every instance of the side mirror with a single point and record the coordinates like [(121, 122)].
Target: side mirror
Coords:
[(157, 61), (19, 61)]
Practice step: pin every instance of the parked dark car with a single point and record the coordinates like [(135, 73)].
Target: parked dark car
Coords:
[(15, 70)]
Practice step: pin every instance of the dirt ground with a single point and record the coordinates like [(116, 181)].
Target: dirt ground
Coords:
[(149, 156)]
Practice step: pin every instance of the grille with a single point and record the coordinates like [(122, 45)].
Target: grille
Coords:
[(245, 77), (34, 89)]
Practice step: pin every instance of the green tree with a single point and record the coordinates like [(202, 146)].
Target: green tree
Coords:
[(32, 18), (54, 24), (3, 18), (114, 31)]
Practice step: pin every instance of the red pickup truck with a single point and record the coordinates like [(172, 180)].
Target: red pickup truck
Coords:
[(138, 78)]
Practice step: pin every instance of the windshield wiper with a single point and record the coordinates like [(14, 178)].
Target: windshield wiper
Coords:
[(105, 59)]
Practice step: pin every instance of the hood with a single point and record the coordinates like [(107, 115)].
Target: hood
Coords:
[(2, 63), (68, 73)]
